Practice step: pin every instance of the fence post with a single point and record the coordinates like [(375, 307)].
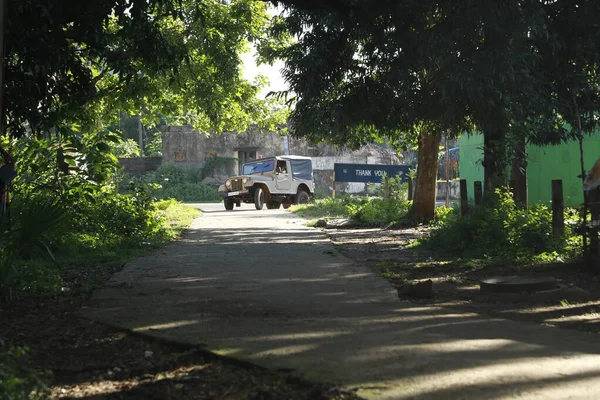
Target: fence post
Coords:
[(478, 191), (386, 188), (333, 190), (464, 200), (410, 189), (558, 208)]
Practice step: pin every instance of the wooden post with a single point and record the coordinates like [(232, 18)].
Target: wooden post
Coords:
[(386, 188), (410, 189), (558, 208), (478, 191), (333, 190), (464, 199)]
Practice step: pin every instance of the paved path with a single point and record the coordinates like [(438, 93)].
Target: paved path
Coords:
[(263, 287)]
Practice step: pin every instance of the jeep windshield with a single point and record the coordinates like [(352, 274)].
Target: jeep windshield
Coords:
[(258, 167)]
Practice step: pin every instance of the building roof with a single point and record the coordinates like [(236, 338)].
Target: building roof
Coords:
[(292, 157)]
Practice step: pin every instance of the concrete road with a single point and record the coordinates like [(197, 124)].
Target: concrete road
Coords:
[(261, 286)]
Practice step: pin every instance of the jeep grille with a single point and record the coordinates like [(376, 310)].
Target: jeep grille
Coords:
[(236, 185)]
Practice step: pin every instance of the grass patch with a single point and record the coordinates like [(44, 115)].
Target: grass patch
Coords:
[(176, 216), (364, 211), (325, 208), (81, 261)]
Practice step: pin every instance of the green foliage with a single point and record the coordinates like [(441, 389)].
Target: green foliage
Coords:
[(17, 381), (501, 229), (176, 217), (125, 219), (65, 207), (380, 212), (177, 58), (325, 208), (111, 228), (68, 166), (399, 69), (442, 213), (188, 192), (154, 146), (363, 210), (393, 188), (35, 224), (126, 148), (214, 165), (181, 183)]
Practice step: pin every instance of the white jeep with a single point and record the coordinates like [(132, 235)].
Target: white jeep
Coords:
[(274, 181)]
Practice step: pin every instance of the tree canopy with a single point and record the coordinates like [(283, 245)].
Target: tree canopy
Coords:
[(72, 62), (362, 70)]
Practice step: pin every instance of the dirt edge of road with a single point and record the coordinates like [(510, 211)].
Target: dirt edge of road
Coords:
[(388, 252)]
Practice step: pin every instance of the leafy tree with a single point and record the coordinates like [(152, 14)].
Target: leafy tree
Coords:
[(74, 67), (507, 69), (73, 62), (375, 82)]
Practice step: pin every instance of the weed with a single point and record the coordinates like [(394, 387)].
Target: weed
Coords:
[(366, 211), (383, 268), (502, 231)]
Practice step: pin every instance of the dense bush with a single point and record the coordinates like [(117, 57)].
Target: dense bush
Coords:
[(388, 207), (45, 230), (181, 183), (379, 211), (363, 210), (500, 229), (111, 218)]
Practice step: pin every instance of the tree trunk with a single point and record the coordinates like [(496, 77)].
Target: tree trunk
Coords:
[(519, 172), (494, 161), (423, 207)]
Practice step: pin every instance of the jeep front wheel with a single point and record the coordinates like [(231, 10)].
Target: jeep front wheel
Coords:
[(302, 197), (259, 198), (228, 204)]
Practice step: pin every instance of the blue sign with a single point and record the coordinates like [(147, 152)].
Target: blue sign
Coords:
[(369, 172)]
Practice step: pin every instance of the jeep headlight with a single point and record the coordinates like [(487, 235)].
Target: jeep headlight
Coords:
[(228, 184), (245, 180)]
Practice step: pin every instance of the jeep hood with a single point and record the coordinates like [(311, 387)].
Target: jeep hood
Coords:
[(255, 178)]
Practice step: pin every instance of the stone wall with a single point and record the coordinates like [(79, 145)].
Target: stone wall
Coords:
[(183, 145), (139, 165)]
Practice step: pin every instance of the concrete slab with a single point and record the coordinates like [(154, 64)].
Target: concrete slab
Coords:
[(261, 286)]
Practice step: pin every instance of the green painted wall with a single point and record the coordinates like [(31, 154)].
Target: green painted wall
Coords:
[(544, 165), (470, 148)]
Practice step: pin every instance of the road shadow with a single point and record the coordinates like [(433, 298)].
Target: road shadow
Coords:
[(285, 298)]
